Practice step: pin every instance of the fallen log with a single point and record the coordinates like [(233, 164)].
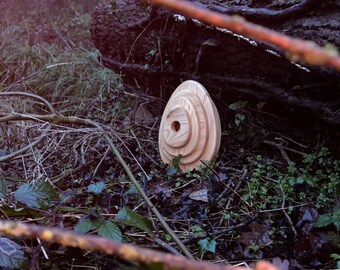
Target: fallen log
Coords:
[(156, 49)]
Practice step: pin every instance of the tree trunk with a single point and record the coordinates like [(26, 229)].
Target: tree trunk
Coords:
[(156, 50)]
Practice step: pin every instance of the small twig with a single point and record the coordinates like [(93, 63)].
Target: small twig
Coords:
[(25, 148), (135, 41), (282, 151), (57, 119), (16, 74), (100, 162), (64, 175), (299, 49), (218, 233), (46, 103), (134, 157), (285, 212), (291, 140), (166, 246)]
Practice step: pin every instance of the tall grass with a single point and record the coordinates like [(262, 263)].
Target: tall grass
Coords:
[(51, 55)]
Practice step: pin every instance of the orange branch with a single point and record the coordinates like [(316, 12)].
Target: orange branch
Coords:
[(299, 49), (90, 242)]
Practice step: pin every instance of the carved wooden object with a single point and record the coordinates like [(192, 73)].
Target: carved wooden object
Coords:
[(190, 126)]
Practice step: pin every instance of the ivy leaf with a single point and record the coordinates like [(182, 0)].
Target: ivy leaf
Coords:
[(11, 255), (110, 230), (207, 245), (238, 105), (86, 225), (96, 188), (130, 218), (38, 195)]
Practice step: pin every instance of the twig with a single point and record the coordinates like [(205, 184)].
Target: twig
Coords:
[(25, 148), (166, 246), (57, 119), (283, 152), (64, 175), (15, 73), (285, 212), (100, 162), (90, 242), (46, 103), (145, 197), (299, 49), (39, 139)]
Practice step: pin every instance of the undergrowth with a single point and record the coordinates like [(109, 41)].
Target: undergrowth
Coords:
[(237, 208)]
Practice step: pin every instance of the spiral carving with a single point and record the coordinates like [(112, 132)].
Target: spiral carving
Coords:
[(190, 126)]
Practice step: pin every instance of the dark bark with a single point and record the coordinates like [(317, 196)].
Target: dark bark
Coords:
[(152, 48)]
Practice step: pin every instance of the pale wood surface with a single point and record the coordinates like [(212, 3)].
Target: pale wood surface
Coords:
[(190, 126)]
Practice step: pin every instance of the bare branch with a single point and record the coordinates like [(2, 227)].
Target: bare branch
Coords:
[(47, 104), (60, 119), (90, 242)]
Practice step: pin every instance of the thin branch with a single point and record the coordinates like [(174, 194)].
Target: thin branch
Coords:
[(90, 242), (299, 49), (285, 212), (46, 103), (25, 148), (60, 119)]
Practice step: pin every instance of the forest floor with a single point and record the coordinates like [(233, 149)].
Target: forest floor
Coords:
[(267, 196)]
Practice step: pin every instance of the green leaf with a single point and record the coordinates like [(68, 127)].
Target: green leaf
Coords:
[(96, 188), (3, 187), (19, 212), (329, 218), (196, 229), (238, 105), (131, 191), (300, 180), (110, 230), (86, 225), (171, 171), (38, 195), (335, 256), (176, 161), (227, 216), (207, 245), (69, 209), (130, 218), (11, 255), (239, 118), (323, 220)]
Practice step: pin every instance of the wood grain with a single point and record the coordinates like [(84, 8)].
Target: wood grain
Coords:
[(190, 127)]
